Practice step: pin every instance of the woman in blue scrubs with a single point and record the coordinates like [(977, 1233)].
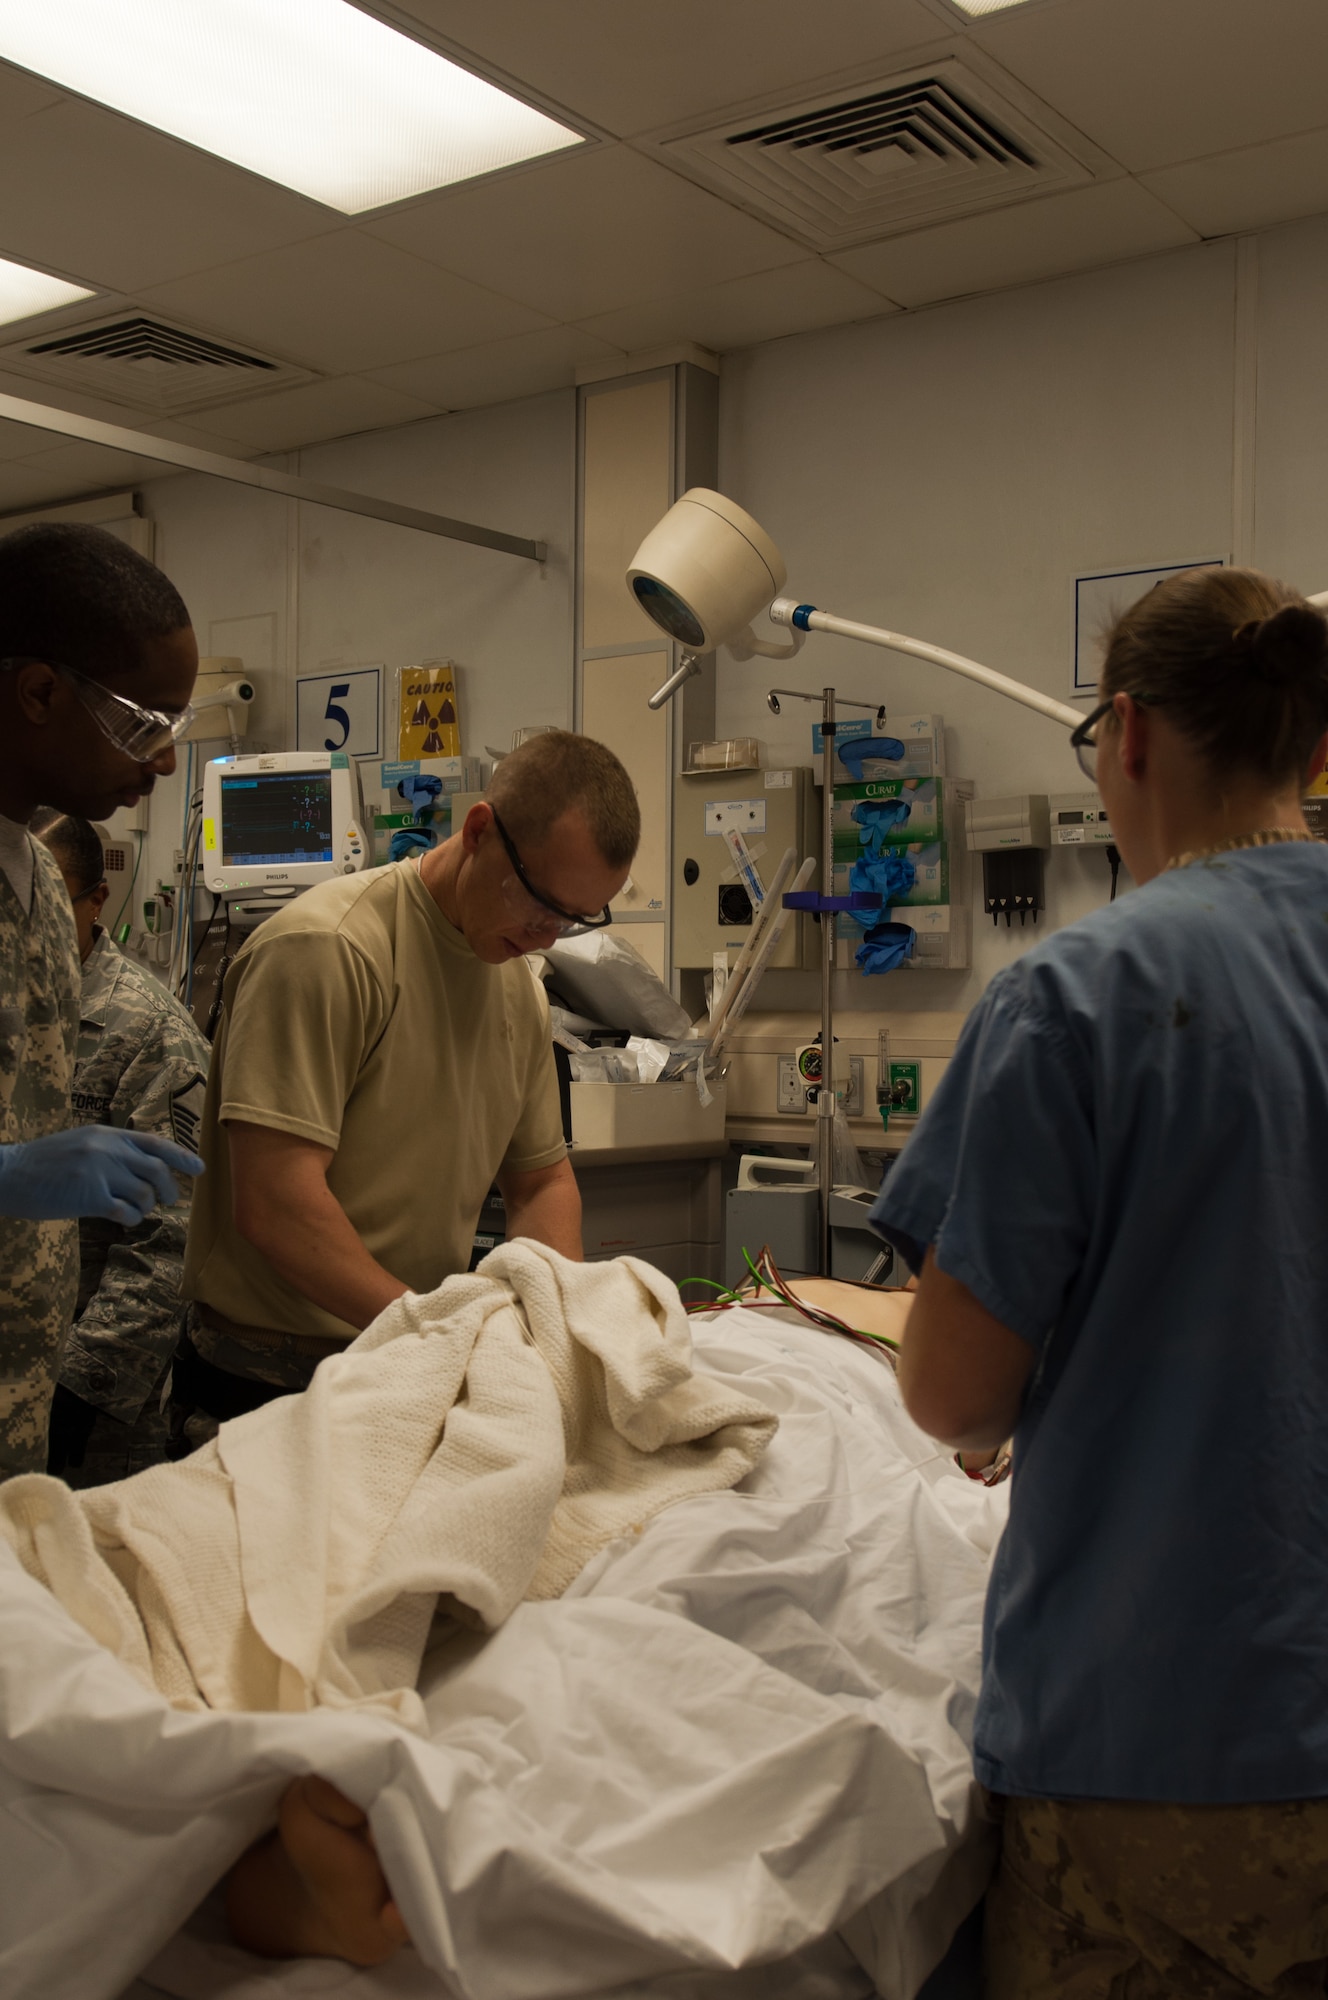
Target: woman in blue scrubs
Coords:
[(1118, 1205)]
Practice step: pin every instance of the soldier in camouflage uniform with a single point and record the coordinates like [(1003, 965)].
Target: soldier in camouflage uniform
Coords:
[(38, 1036), (97, 663), (141, 1065)]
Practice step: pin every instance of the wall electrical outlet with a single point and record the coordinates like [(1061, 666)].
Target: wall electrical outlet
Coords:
[(852, 1098), (790, 1090)]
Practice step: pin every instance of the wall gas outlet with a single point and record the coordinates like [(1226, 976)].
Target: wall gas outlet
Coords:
[(790, 1091), (903, 1089), (797, 1074)]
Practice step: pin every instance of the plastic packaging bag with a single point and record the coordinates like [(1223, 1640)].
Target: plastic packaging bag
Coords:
[(603, 1066), (606, 978), (848, 1166), (651, 1057)]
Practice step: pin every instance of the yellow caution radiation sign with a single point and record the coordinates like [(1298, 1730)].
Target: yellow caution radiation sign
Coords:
[(430, 726)]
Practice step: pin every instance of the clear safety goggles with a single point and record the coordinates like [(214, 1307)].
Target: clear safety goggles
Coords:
[(1084, 740), (141, 733), (535, 912)]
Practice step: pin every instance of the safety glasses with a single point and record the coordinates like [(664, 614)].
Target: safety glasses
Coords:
[(1083, 740), (545, 914), (141, 733)]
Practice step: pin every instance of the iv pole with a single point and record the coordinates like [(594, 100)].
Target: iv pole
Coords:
[(825, 1096)]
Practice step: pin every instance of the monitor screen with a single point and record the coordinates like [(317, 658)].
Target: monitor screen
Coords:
[(275, 818)]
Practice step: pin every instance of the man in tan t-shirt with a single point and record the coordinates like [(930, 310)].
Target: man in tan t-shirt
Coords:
[(384, 1058)]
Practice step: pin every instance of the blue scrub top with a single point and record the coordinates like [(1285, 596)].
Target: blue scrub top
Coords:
[(1126, 1162)]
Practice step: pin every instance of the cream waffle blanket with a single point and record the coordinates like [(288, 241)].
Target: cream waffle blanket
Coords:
[(480, 1443)]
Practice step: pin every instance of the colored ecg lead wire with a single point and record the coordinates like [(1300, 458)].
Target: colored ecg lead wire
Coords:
[(767, 1275)]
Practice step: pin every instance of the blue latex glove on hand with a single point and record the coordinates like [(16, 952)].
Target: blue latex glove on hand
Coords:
[(92, 1170)]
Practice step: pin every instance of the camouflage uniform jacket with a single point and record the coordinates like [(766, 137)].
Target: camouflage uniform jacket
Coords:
[(38, 1260), (141, 1063)]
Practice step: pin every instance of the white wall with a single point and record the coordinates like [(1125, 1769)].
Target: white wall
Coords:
[(948, 474), (298, 589)]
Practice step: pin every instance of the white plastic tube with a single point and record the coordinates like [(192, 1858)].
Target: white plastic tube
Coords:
[(765, 916), (762, 957), (783, 608)]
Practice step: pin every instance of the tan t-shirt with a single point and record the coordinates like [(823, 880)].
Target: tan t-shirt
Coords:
[(360, 1018)]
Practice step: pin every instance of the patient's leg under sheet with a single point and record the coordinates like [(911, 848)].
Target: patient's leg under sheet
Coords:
[(735, 1730)]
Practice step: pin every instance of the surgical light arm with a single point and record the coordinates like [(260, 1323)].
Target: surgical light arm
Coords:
[(806, 618), (707, 568)]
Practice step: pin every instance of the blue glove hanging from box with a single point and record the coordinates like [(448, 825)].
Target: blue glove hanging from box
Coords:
[(885, 946), (421, 794), (877, 819), (855, 751), (889, 875), (409, 840)]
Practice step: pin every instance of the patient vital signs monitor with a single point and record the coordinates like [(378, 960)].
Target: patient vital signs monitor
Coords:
[(278, 823)]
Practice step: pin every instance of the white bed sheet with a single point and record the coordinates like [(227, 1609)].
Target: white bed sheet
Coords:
[(732, 1760)]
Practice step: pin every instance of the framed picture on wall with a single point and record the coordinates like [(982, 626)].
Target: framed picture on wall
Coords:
[(1098, 602)]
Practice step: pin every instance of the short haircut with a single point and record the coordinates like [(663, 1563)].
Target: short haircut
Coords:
[(554, 772), (1236, 661), (75, 843), (76, 596)]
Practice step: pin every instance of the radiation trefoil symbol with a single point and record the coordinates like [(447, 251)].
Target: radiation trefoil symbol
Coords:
[(421, 719)]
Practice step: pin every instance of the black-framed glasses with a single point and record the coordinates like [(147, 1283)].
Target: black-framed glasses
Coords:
[(569, 923), (1083, 740), (141, 733)]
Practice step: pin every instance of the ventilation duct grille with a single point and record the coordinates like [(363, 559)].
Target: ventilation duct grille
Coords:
[(150, 365), (894, 154)]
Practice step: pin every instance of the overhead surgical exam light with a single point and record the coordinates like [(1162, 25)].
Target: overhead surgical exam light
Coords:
[(703, 574), (706, 571)]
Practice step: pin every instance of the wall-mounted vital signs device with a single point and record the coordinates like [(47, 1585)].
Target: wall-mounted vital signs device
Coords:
[(277, 823)]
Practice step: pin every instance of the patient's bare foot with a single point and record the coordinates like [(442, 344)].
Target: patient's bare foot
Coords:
[(313, 1887)]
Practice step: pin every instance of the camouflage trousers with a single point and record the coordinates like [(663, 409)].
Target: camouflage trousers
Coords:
[(114, 1450), (1113, 1900)]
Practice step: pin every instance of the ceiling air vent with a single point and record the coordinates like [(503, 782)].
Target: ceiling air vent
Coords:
[(150, 365), (892, 154)]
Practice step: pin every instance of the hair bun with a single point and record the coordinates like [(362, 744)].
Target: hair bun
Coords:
[(1288, 646)]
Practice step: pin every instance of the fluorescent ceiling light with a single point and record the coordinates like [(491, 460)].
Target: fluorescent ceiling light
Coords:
[(985, 6), (24, 292), (312, 93)]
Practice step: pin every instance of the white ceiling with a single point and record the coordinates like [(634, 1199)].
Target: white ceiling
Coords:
[(1198, 118)]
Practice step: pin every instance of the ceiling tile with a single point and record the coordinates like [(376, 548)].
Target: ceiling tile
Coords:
[(315, 411), (23, 484), (1014, 246), (24, 441), (21, 93), (663, 63), (793, 299), (1250, 189), (1157, 81), (342, 304), (73, 400), (118, 205), (586, 232), (502, 371), (91, 466)]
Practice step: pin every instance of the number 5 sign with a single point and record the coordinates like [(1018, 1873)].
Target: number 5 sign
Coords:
[(340, 711)]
